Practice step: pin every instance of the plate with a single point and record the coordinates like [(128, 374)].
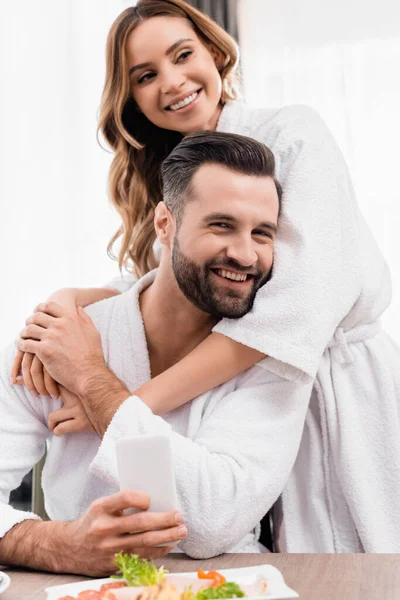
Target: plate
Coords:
[(277, 588), (4, 582)]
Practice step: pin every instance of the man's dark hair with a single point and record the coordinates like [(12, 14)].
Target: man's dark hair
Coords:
[(236, 152)]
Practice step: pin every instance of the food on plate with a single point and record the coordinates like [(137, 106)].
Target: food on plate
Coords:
[(138, 571), (226, 590), (139, 579), (216, 577), (162, 591)]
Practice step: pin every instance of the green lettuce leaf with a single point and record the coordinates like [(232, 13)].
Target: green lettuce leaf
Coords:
[(226, 590), (138, 571)]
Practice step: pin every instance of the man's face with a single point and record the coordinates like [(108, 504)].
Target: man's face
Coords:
[(222, 252)]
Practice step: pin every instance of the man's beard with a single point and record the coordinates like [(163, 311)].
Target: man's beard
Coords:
[(200, 285)]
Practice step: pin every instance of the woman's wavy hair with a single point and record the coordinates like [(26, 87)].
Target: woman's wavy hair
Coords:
[(139, 146)]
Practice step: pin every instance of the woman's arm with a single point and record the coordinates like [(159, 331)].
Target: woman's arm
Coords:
[(216, 360), (73, 297)]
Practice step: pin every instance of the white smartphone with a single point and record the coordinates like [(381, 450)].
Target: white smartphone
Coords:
[(145, 464)]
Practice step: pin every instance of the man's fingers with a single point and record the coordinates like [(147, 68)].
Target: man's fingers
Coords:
[(121, 501), (40, 318), (51, 308), (26, 372), (37, 376), (16, 366), (150, 539), (50, 385), (29, 346), (146, 521), (33, 332)]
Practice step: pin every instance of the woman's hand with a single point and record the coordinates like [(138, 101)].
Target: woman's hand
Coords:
[(70, 417), (33, 374)]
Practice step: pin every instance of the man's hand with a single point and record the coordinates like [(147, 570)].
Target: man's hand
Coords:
[(88, 546), (70, 417), (104, 530), (67, 343)]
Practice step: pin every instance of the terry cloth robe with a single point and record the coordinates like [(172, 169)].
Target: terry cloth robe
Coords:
[(318, 320), (232, 451)]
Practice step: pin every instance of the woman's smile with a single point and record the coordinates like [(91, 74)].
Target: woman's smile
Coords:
[(184, 106), (183, 101)]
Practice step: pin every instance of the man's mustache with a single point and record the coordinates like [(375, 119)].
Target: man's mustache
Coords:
[(233, 264)]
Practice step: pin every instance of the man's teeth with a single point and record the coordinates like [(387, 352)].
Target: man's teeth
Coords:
[(184, 102), (231, 275)]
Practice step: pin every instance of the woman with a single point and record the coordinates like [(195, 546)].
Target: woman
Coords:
[(170, 71)]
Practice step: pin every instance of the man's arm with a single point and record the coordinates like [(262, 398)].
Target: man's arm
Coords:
[(101, 394), (34, 544)]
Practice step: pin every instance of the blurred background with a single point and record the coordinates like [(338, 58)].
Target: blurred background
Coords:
[(342, 58)]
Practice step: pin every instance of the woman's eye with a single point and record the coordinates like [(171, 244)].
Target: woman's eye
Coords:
[(185, 55), (145, 77)]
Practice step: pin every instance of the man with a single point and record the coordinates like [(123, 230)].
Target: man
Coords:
[(233, 447)]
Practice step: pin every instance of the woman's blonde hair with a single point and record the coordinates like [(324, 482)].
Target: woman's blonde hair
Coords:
[(139, 145)]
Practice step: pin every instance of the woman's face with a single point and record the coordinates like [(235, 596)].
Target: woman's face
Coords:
[(174, 78)]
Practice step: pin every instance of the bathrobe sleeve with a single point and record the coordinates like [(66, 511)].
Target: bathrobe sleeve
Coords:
[(234, 464), (316, 275), (23, 436)]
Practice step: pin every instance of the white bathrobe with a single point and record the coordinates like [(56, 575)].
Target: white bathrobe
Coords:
[(318, 319), (232, 451)]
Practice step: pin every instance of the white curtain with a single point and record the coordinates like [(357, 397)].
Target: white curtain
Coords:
[(55, 220), (342, 58)]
